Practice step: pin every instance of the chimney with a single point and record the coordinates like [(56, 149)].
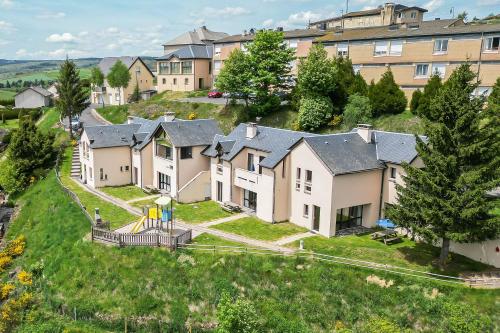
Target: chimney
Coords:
[(251, 130), (365, 132), (130, 120), (169, 116)]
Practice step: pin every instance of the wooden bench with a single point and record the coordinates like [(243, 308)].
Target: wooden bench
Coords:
[(388, 241)]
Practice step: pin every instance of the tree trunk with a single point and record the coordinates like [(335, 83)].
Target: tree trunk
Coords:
[(445, 249), (70, 127)]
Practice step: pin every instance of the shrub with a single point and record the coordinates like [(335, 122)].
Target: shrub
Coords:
[(314, 112), (415, 99), (386, 97), (7, 102), (265, 104), (336, 120), (460, 318), (236, 317), (192, 116), (381, 325), (358, 110)]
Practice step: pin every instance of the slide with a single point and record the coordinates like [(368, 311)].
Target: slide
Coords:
[(138, 225)]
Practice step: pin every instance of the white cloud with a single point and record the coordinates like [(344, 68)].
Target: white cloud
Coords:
[(268, 23), (223, 12), (83, 33), (51, 16), (21, 52), (300, 19), (4, 42), (6, 27), (61, 38), (6, 3), (113, 47), (488, 2), (113, 30)]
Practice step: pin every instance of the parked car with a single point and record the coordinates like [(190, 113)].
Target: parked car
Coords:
[(75, 123), (214, 94)]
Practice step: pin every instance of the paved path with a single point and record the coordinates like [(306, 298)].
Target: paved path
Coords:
[(154, 196), (293, 238), (204, 99), (88, 118), (223, 220)]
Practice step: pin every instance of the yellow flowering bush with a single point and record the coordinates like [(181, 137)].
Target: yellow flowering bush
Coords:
[(73, 142), (5, 261), (11, 311), (25, 278), (5, 290), (192, 116), (16, 247)]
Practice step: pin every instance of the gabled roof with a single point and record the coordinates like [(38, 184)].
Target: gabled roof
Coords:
[(40, 90), (395, 147), (185, 133), (197, 37), (108, 136), (297, 33), (190, 52), (275, 141), (422, 29), (106, 63)]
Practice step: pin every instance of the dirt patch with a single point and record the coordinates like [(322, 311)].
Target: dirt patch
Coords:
[(373, 279)]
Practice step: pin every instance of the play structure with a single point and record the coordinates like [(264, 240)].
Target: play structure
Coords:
[(159, 217)]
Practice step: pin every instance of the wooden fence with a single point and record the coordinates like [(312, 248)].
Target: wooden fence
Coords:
[(146, 239)]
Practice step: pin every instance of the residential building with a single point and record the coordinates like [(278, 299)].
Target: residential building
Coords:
[(200, 36), (186, 69), (140, 75), (53, 90), (33, 97), (388, 14), (415, 52), (300, 40), (164, 154)]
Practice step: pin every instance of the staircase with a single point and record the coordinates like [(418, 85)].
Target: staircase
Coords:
[(75, 163)]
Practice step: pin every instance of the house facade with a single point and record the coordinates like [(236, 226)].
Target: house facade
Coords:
[(33, 97), (140, 75)]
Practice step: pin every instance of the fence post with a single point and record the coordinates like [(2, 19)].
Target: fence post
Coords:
[(158, 240), (92, 233), (120, 240)]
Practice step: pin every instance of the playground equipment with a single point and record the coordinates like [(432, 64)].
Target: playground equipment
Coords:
[(154, 217)]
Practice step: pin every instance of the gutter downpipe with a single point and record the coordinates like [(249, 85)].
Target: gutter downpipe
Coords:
[(274, 194), (381, 195), (480, 59)]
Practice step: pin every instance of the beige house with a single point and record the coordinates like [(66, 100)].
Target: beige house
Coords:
[(388, 14), (200, 36), (140, 75), (32, 97)]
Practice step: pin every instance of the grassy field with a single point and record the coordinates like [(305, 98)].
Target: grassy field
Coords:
[(7, 94), (148, 287), (252, 227), (9, 124), (127, 192), (48, 75), (48, 120), (198, 212)]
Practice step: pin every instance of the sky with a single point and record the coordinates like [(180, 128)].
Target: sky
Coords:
[(43, 29)]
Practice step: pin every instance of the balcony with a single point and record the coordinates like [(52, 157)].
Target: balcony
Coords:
[(247, 180)]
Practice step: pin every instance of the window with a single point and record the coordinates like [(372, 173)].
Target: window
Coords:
[(217, 50), (101, 174), (422, 70), (174, 81), (297, 186), (400, 15), (260, 161), (307, 189), (396, 47), (209, 67), (297, 174), (186, 152), (219, 169), (127, 168), (342, 49), (175, 68), (164, 68), (439, 69), (440, 46), (356, 68), (163, 151), (293, 43), (492, 44), (164, 81), (380, 48), (309, 176), (413, 15), (186, 81), (219, 191), (349, 217), (91, 174), (187, 67), (163, 182), (250, 165), (393, 173), (250, 199), (121, 169), (138, 69), (306, 210), (117, 97), (217, 64)]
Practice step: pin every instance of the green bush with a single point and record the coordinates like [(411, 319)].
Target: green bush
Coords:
[(358, 110), (415, 100), (462, 319), (264, 105), (386, 97), (236, 317), (314, 112), (9, 113), (7, 102), (381, 325)]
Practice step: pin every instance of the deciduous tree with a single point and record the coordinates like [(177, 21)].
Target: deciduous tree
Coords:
[(235, 77), (119, 77), (97, 79), (358, 110)]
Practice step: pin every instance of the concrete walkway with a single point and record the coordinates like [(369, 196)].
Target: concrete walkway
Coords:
[(154, 196), (223, 220), (293, 238)]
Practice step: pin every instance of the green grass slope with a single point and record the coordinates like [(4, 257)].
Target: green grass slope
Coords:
[(150, 287)]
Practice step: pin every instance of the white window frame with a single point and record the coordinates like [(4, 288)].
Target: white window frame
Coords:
[(400, 48), (342, 49), (382, 52), (438, 65), (293, 43), (217, 65), (413, 15), (488, 44), (217, 50), (356, 68), (438, 46), (305, 211), (422, 75)]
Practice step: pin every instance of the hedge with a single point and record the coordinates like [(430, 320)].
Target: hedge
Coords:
[(7, 102), (9, 113)]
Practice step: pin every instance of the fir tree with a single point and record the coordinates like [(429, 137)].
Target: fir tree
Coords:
[(415, 100), (72, 95), (136, 94), (386, 97), (494, 98), (446, 200), (431, 89)]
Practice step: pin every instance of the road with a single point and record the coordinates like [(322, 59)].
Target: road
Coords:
[(219, 101), (86, 118)]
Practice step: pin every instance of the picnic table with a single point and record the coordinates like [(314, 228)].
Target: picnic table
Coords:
[(230, 207), (388, 236)]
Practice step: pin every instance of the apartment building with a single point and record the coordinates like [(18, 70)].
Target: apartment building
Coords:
[(388, 14), (187, 61), (300, 40), (140, 75), (415, 52)]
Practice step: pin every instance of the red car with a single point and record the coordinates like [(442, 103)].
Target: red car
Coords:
[(214, 94)]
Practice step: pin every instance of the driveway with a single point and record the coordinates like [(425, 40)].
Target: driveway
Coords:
[(87, 118), (204, 99)]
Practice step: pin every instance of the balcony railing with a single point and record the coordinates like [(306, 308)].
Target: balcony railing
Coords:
[(247, 179)]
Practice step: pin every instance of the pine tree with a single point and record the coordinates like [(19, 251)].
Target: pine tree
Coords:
[(415, 100), (72, 96), (494, 98), (446, 199), (136, 94), (358, 86), (431, 89), (386, 97)]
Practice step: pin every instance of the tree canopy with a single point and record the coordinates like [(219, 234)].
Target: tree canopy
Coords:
[(385, 96), (235, 77), (317, 74), (119, 76)]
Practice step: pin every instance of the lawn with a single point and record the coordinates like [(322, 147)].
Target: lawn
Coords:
[(7, 94), (406, 254), (146, 287), (48, 120), (47, 75), (9, 124), (126, 193), (252, 227), (115, 215), (198, 212)]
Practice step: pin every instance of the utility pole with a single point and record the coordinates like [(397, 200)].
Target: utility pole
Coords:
[(346, 6)]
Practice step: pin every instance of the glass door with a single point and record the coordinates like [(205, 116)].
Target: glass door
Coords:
[(250, 199), (316, 217)]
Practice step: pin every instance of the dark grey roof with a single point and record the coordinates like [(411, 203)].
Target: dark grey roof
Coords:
[(106, 63), (40, 90), (395, 147), (274, 141), (197, 37), (345, 153), (297, 33), (190, 52), (184, 133), (108, 136)]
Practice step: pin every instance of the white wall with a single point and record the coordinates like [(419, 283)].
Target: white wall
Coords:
[(484, 252)]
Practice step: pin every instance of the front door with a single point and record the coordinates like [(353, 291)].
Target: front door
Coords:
[(219, 191), (200, 84), (250, 199), (316, 215), (136, 176)]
